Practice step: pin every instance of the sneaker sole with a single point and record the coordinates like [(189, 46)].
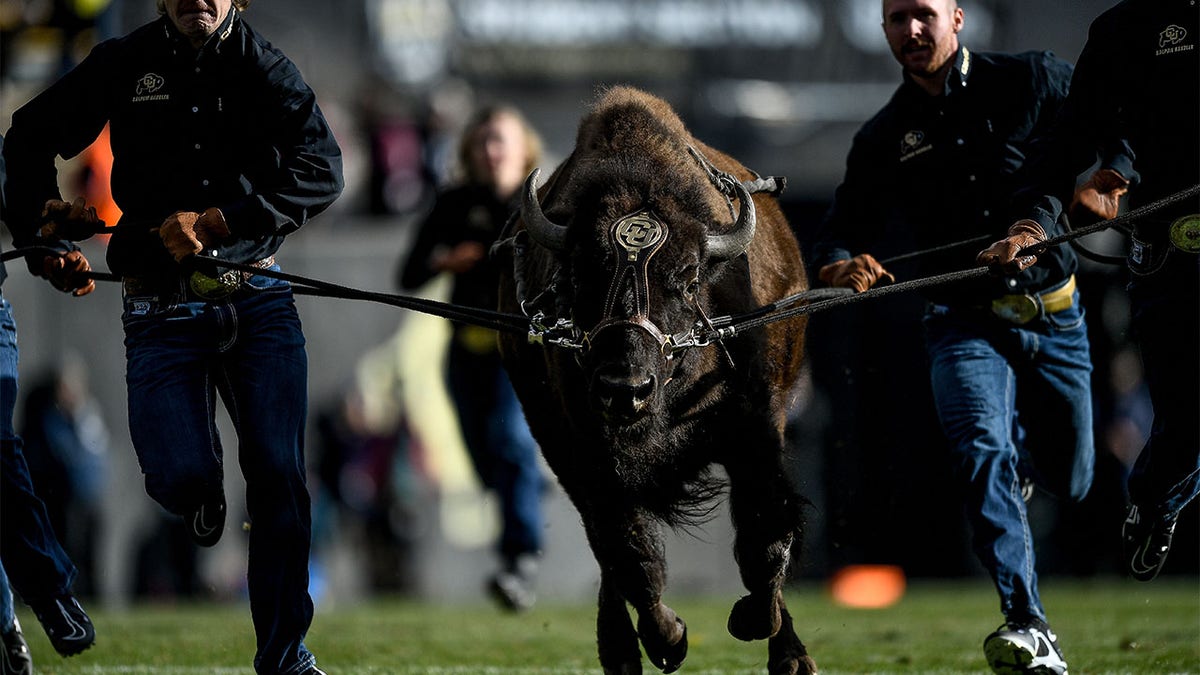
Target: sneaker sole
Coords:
[(1012, 658)]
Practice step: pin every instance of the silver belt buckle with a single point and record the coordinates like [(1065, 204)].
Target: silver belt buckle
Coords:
[(1185, 233), (215, 288)]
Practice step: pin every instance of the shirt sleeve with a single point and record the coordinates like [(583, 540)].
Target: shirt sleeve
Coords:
[(851, 223), (305, 175), (1083, 129)]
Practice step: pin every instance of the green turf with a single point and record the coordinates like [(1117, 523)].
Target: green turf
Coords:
[(1111, 626)]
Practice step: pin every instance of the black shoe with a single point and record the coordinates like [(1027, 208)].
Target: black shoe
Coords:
[(313, 671), (1146, 542), (15, 658), (207, 522), (1024, 647), (66, 624)]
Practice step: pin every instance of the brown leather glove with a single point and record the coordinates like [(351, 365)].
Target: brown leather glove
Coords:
[(74, 222), (1099, 196), (187, 233), (65, 272), (859, 273), (1002, 255)]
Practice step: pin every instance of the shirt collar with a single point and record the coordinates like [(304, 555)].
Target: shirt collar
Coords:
[(960, 71), (956, 78), (214, 41)]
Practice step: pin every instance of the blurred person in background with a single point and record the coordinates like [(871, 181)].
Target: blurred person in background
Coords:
[(497, 150), (219, 151), (365, 477), (31, 559), (1134, 106), (66, 446), (1009, 359)]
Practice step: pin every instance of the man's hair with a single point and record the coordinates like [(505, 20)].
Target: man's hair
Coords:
[(239, 5), (533, 142), (883, 6)]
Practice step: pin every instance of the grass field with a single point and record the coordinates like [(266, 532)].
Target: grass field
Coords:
[(1110, 626)]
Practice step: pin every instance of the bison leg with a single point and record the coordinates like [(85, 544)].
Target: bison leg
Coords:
[(615, 638), (786, 654), (633, 569), (766, 515)]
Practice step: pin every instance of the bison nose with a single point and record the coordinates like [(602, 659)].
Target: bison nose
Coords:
[(625, 396)]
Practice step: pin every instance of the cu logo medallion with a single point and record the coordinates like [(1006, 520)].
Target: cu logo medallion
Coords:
[(637, 232)]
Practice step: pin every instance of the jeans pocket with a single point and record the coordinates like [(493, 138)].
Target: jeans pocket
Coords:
[(1070, 318)]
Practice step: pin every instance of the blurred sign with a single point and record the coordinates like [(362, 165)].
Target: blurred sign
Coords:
[(681, 23), (418, 41)]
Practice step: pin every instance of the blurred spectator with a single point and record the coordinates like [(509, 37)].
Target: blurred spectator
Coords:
[(497, 150), (67, 448), (366, 473), (397, 181), (77, 21), (74, 25), (165, 565)]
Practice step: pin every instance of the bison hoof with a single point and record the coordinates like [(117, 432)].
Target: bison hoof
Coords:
[(666, 653), (751, 619), (801, 666)]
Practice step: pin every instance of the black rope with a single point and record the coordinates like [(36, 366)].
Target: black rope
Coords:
[(1118, 222), (770, 313), (484, 318), (817, 299), (847, 297)]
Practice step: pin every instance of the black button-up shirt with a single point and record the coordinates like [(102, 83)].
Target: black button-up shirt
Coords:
[(231, 125), (1135, 103), (928, 171)]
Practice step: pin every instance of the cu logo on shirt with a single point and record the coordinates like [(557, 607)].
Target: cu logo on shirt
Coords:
[(149, 83), (911, 141), (1171, 35)]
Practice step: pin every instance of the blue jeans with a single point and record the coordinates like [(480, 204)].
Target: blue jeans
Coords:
[(36, 563), (8, 616), (1009, 396), (501, 446), (1166, 327), (181, 352)]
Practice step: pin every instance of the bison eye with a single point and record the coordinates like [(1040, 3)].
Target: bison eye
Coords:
[(691, 289)]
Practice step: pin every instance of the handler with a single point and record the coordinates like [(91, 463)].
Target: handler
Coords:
[(219, 150), (1009, 358), (41, 571), (1134, 101)]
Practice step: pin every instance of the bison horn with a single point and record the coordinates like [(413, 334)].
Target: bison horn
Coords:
[(735, 242), (543, 230)]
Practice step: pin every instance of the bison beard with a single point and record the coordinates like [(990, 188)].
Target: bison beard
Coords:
[(635, 242)]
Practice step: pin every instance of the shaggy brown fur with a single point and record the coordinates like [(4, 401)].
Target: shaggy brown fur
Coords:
[(631, 435)]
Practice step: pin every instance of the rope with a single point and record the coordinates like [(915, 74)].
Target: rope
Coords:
[(484, 318), (771, 313), (1120, 221), (818, 300)]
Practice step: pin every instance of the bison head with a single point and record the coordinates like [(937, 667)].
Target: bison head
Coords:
[(638, 255)]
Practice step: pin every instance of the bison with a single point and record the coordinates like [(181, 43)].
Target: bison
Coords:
[(637, 241)]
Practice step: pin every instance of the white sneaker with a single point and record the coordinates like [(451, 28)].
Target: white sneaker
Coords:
[(1028, 647)]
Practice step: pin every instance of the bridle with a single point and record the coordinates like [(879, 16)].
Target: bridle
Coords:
[(634, 240)]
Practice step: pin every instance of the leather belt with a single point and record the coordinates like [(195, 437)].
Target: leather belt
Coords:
[(198, 283), (1025, 307)]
